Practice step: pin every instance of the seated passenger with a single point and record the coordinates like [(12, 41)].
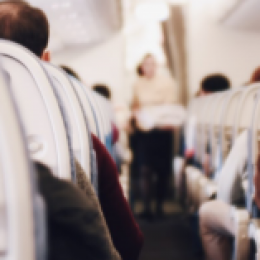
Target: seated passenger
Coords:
[(211, 84), (71, 72), (29, 27), (216, 228), (216, 225), (76, 226), (103, 90)]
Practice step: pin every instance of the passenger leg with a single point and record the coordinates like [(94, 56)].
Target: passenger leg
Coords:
[(217, 230), (162, 164), (146, 190)]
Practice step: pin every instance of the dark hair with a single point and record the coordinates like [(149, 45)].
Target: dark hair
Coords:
[(215, 83), (24, 24), (102, 90), (139, 69), (255, 77), (70, 71)]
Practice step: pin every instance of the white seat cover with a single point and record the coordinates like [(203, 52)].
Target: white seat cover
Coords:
[(79, 88), (41, 115), (18, 239), (97, 110), (106, 113), (77, 126)]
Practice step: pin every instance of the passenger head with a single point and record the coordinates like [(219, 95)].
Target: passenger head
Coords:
[(255, 77), (103, 90), (214, 83), (147, 68), (25, 25), (71, 72)]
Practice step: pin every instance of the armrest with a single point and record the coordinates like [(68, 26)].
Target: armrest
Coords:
[(254, 233), (208, 189), (242, 239), (178, 165), (193, 176)]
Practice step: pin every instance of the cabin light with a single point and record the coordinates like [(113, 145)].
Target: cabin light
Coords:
[(55, 5), (152, 11), (73, 15), (177, 2), (61, 5), (66, 5)]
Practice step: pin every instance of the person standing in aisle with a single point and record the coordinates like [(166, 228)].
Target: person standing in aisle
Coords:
[(152, 148)]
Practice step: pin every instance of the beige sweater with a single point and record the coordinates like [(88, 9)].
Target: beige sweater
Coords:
[(160, 90)]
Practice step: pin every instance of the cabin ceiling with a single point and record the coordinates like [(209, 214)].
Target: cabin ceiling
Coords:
[(80, 22), (235, 14)]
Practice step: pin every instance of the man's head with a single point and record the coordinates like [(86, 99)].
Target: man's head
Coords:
[(214, 83), (70, 71), (103, 90), (25, 25), (255, 77), (147, 68)]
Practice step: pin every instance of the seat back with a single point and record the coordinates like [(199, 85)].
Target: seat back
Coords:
[(245, 109), (253, 151), (41, 115), (227, 122), (22, 225), (87, 106), (77, 125), (209, 120), (219, 106), (106, 113), (91, 124), (202, 125), (97, 110), (200, 110)]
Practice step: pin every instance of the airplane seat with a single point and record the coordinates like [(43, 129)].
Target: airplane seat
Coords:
[(23, 223), (237, 166), (91, 125), (241, 247), (253, 152), (87, 107), (192, 173), (245, 111), (179, 162), (201, 148), (194, 187), (77, 126), (227, 128), (106, 112), (254, 233), (45, 128), (97, 110), (208, 187)]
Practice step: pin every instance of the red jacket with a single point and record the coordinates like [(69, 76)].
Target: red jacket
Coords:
[(123, 228)]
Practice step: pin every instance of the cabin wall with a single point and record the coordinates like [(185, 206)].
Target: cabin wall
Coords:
[(104, 63), (213, 48)]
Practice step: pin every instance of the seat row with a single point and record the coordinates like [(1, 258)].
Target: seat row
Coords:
[(48, 117), (223, 129)]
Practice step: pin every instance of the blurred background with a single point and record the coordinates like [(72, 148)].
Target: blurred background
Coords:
[(193, 38), (105, 40)]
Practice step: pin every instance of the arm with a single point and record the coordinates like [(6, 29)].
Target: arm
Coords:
[(76, 226), (124, 230)]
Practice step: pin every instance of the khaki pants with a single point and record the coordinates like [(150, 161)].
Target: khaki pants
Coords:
[(217, 229)]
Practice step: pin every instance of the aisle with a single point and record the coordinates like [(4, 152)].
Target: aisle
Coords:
[(167, 239)]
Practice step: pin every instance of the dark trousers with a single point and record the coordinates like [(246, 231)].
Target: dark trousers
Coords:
[(153, 156)]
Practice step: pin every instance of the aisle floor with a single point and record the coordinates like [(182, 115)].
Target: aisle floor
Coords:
[(167, 239)]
